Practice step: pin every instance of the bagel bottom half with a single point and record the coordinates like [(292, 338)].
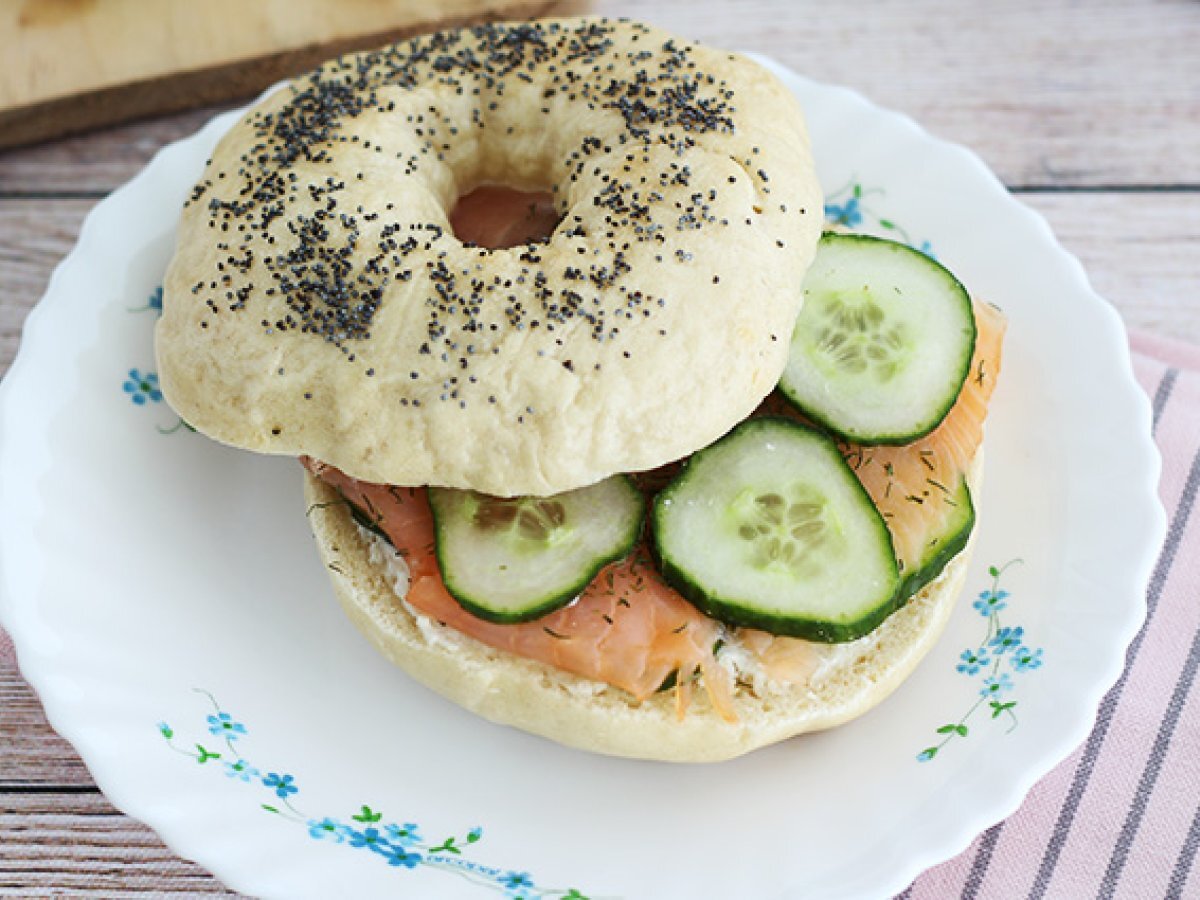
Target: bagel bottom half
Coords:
[(579, 712)]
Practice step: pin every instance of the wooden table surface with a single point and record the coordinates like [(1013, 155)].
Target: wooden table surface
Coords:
[(1088, 110)]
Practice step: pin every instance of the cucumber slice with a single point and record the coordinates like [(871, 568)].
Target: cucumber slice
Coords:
[(948, 531), (770, 528), (883, 343), (516, 559)]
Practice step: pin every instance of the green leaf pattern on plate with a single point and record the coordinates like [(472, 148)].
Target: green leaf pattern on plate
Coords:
[(1001, 644), (849, 208), (142, 387), (397, 843)]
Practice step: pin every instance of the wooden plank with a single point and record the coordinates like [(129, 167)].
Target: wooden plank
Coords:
[(96, 163), (71, 65), (32, 755), (36, 235), (1141, 252), (1104, 92), (79, 846)]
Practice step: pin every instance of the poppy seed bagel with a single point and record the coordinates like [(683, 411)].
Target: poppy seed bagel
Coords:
[(319, 302)]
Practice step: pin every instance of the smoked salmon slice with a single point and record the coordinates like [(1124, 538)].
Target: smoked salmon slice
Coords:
[(909, 483), (627, 629)]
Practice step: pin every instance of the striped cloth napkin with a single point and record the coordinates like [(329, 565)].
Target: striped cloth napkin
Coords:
[(1120, 817)]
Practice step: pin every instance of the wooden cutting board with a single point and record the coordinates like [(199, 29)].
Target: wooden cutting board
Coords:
[(71, 65)]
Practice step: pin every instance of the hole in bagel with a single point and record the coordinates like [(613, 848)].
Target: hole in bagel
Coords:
[(495, 217)]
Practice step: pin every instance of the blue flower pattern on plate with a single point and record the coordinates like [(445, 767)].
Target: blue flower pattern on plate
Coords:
[(984, 661), (282, 785), (994, 685), (991, 601), (153, 302), (326, 830), (1006, 639), (847, 213), (399, 844), (142, 387), (368, 837), (973, 661), (849, 207), (242, 770), (515, 880), (397, 855), (405, 835), (223, 726), (1024, 659)]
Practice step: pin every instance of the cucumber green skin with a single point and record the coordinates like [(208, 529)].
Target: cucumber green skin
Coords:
[(897, 438), (732, 611), (875, 438), (537, 607), (946, 546)]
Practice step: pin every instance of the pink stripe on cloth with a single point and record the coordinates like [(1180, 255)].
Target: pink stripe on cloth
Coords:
[(1121, 816), (1167, 351)]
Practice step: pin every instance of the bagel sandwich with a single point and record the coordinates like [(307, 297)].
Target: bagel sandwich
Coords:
[(499, 437)]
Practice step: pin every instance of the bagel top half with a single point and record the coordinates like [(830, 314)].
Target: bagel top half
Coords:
[(319, 302)]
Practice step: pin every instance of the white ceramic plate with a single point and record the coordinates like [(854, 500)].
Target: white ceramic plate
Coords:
[(169, 608)]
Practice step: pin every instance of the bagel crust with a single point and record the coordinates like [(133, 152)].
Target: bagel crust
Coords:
[(511, 690), (319, 303)]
